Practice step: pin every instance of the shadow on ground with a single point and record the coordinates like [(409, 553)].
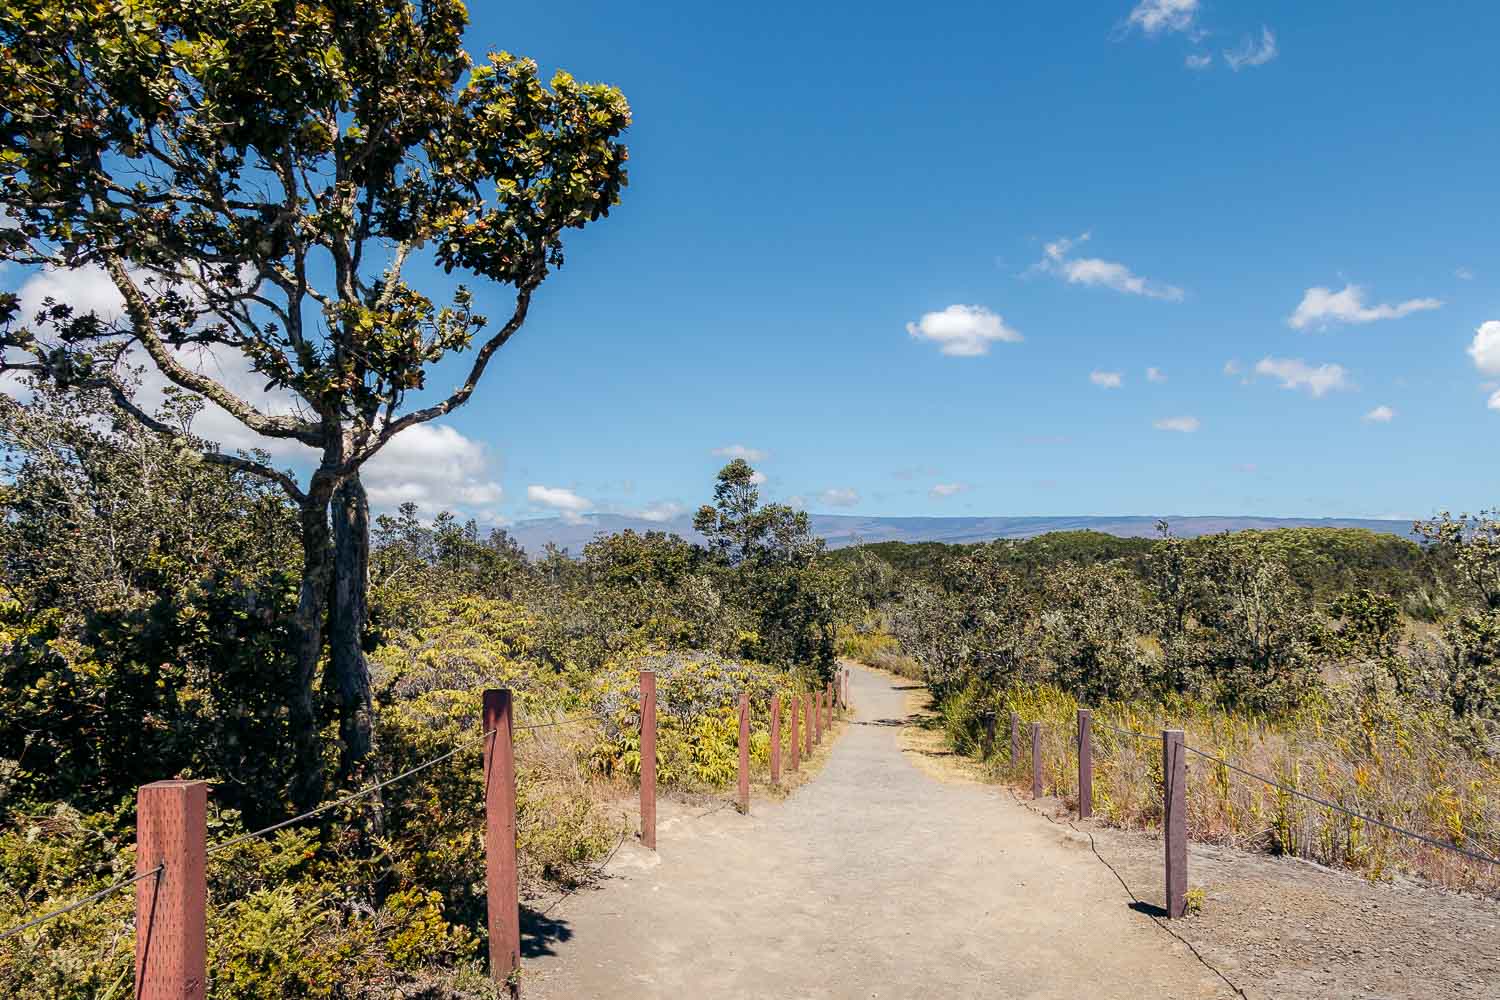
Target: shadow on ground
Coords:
[(540, 932)]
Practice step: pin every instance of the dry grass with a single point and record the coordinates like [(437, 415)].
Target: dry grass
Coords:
[(1381, 759)]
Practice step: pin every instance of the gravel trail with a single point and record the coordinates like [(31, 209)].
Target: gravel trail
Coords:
[(874, 879)]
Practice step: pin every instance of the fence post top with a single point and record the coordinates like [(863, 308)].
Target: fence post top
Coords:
[(190, 784), (1172, 734)]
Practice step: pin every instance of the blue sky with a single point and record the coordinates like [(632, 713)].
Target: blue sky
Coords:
[(1298, 236)]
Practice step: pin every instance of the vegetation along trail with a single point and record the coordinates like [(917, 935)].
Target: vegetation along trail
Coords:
[(872, 880)]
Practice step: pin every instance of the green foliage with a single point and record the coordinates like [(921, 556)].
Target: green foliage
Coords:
[(697, 740)]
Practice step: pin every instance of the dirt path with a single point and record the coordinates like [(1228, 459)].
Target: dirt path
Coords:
[(872, 880)]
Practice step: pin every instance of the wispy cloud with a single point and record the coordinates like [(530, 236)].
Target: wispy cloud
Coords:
[(1321, 306), (569, 504), (942, 490), (1095, 271), (1294, 373), (1155, 375), (1107, 380), (1194, 61), (1464, 274), (741, 451), (1156, 16), (1250, 52), (662, 510), (839, 497), (1381, 415), (1182, 425), (963, 331)]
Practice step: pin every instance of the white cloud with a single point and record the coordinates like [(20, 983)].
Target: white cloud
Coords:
[(1155, 375), (963, 331), (431, 465), (664, 510), (90, 289), (1183, 425), (1093, 271), (1198, 62), (1107, 380), (942, 490), (1485, 350), (740, 451), (1464, 274), (1321, 306), (1233, 368), (839, 497), (1494, 402), (1381, 415), (1155, 16), (565, 501), (757, 478), (1295, 373), (1252, 53)]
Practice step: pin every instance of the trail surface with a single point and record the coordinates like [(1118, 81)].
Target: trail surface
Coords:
[(875, 879)]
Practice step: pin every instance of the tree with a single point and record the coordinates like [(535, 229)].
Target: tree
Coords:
[(256, 180), (1473, 543), (770, 558)]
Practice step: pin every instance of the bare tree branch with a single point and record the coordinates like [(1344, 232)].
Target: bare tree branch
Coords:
[(145, 331)]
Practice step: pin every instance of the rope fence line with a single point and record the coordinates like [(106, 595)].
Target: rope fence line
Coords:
[(171, 828), (85, 901), (1476, 856), (1352, 814), (1173, 790)]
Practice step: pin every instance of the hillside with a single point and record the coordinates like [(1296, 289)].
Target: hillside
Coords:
[(840, 530)]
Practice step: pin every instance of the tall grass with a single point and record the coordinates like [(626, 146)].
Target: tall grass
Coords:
[(878, 650), (1371, 755)]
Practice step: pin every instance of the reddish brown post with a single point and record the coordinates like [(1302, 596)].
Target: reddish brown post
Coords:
[(828, 706), (776, 739), (796, 743), (988, 747), (1174, 822), (1085, 763), (502, 885), (1036, 760), (1015, 739), (171, 831), (744, 753), (648, 759), (813, 735)]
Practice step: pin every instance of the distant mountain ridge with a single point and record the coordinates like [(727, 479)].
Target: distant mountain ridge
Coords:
[(840, 530)]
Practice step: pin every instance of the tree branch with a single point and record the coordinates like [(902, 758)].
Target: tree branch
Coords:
[(161, 354), (461, 395)]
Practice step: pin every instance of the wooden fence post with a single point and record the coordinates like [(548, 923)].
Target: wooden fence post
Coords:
[(502, 884), (776, 738), (812, 723), (171, 940), (796, 743), (744, 753), (988, 747), (1174, 818), (1015, 739), (1036, 760), (1085, 763), (648, 759), (827, 706)]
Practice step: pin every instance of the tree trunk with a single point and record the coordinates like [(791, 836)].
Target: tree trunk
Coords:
[(307, 774), (347, 681)]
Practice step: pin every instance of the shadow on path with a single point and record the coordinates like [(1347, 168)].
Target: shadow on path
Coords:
[(540, 932)]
